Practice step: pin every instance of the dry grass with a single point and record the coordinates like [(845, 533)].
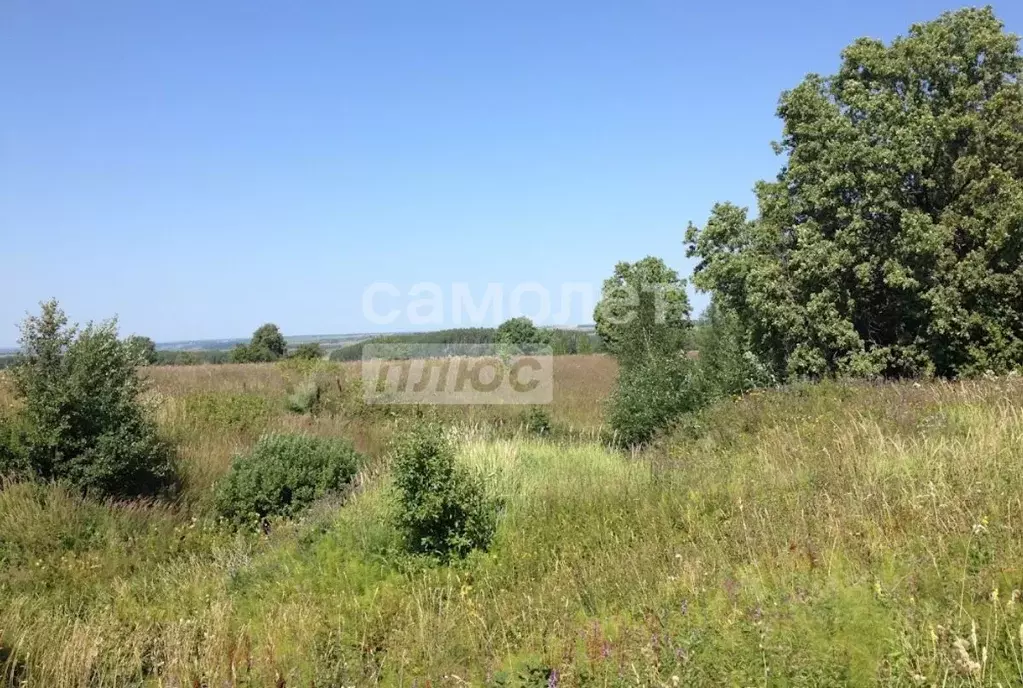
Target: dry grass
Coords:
[(215, 411)]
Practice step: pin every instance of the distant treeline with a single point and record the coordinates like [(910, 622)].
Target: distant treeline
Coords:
[(195, 357), (163, 358), (561, 341)]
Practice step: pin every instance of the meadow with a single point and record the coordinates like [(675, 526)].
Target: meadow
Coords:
[(853, 533)]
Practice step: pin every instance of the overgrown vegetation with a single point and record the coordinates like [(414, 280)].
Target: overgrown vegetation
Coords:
[(80, 414), (761, 529), (442, 510), (824, 534), (643, 317), (283, 475), (649, 397)]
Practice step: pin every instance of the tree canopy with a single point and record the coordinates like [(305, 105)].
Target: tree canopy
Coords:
[(267, 344), (521, 332), (643, 313), (144, 347), (891, 241)]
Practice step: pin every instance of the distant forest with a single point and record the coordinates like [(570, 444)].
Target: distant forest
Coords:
[(561, 341)]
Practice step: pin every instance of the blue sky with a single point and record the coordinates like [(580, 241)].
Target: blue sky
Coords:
[(199, 168)]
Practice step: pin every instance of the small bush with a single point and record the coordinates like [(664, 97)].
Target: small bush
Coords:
[(537, 421), (650, 396), (443, 510), (82, 418), (310, 351), (305, 398), (14, 462), (283, 475)]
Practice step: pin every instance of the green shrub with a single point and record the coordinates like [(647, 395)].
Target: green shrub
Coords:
[(728, 365), (443, 510), (14, 461), (310, 351), (537, 421), (649, 397), (241, 412), (305, 398), (284, 474), (82, 419)]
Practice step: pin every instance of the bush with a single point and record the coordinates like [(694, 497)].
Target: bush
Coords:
[(283, 475), (537, 421), (728, 365), (13, 453), (144, 347), (443, 510), (305, 398), (649, 397), (82, 419), (310, 351)]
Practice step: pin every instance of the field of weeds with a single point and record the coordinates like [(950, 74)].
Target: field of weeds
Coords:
[(816, 535)]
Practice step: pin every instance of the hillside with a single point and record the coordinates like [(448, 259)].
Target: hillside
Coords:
[(814, 535)]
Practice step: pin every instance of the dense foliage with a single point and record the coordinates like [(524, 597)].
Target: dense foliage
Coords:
[(283, 475), (649, 396), (144, 348), (643, 314), (443, 510), (891, 242), (728, 365), (81, 417), (309, 351), (643, 319), (267, 344), (521, 332)]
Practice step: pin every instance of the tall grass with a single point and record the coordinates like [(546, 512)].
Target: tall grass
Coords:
[(835, 534)]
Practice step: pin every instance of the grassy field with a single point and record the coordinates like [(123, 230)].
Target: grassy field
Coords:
[(817, 535)]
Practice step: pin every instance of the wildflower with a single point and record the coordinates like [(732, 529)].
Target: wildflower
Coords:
[(965, 663)]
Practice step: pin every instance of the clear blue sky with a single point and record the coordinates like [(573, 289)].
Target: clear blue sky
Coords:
[(199, 168)]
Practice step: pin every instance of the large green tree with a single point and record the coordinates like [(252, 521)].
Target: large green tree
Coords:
[(268, 338), (521, 332), (268, 344), (643, 314), (891, 242)]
